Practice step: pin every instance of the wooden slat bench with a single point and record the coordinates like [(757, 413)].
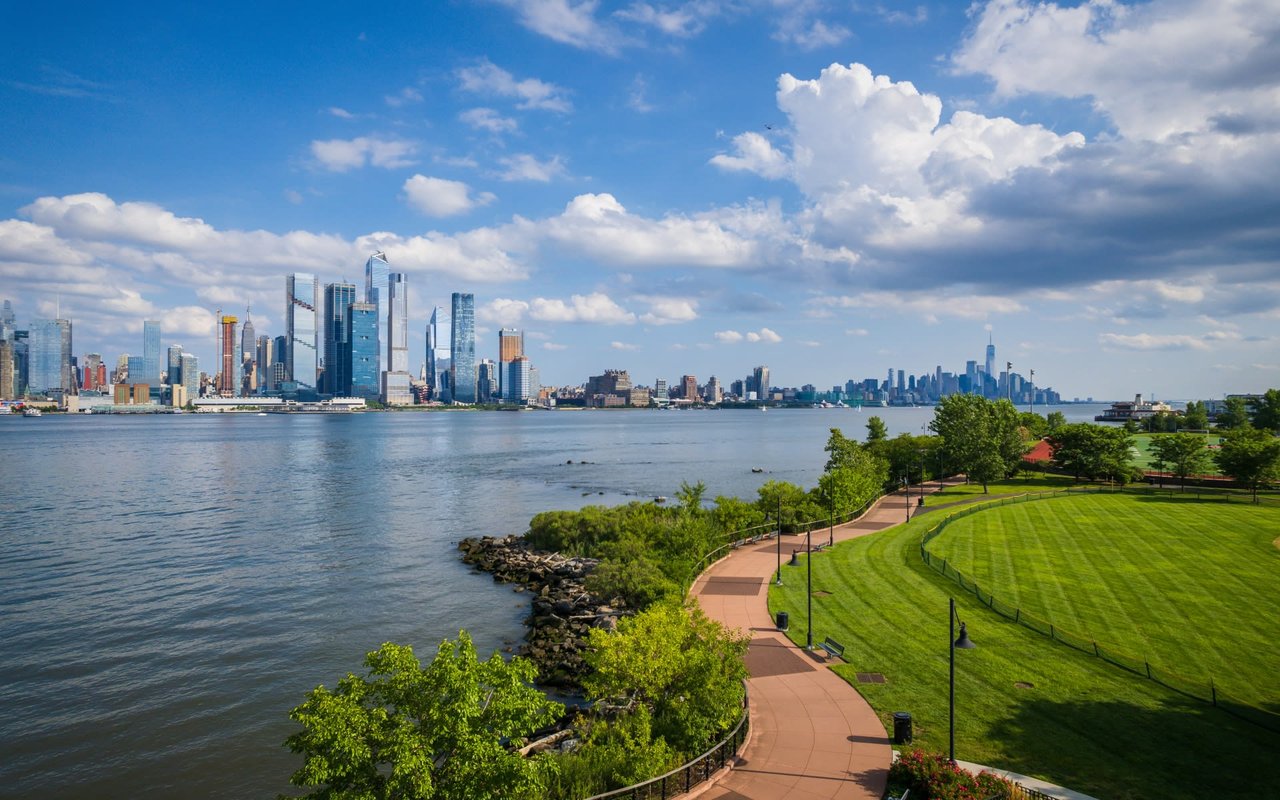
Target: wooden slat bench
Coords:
[(833, 648)]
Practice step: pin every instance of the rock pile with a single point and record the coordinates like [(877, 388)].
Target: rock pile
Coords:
[(563, 611)]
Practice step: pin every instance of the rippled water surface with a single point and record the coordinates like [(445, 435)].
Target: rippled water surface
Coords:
[(171, 586)]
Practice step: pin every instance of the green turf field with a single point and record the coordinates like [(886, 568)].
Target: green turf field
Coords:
[(1025, 702), (1189, 587)]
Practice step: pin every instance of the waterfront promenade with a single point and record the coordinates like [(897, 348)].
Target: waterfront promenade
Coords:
[(813, 737)]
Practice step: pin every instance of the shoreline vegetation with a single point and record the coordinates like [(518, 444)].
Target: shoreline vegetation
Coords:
[(610, 622)]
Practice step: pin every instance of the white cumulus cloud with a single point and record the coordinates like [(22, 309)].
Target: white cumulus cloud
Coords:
[(530, 93), (596, 307), (439, 197), (343, 155)]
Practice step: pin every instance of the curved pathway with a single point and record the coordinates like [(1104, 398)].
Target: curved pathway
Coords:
[(812, 735)]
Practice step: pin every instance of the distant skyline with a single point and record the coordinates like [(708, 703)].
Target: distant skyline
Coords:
[(829, 188)]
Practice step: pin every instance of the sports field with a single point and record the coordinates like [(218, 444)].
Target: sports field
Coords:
[(1189, 587), (1025, 702)]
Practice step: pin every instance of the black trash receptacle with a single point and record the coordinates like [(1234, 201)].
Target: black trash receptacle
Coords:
[(784, 621), (901, 727), (919, 501)]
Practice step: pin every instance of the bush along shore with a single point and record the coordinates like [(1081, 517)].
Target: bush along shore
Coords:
[(563, 611)]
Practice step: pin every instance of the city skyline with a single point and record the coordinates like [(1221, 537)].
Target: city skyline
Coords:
[(692, 188)]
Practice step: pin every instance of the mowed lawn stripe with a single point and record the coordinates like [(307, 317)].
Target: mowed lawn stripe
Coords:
[(1023, 702), (1190, 587)]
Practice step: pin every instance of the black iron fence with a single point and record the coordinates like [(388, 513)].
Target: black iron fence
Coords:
[(1199, 689), (684, 778)]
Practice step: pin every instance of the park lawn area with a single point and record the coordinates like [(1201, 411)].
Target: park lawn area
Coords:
[(1025, 483), (1189, 587), (1074, 720)]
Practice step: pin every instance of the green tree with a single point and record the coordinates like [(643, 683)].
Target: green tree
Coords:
[(1234, 414), (1034, 427), (733, 515), (690, 496), (1251, 456), (1196, 417), (876, 430), (1054, 421), (408, 731), (1183, 453), (685, 668), (841, 450), (981, 438), (1092, 452), (1265, 411)]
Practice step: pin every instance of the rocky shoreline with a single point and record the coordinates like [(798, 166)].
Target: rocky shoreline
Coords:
[(563, 612)]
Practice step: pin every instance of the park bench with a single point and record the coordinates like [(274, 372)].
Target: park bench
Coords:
[(832, 647)]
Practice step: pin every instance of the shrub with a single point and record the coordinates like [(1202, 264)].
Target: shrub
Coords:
[(931, 776)]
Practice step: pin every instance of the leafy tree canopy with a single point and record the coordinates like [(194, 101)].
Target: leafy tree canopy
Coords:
[(1265, 411), (1093, 451), (409, 731), (981, 437), (876, 430), (1251, 456), (1235, 414), (1183, 453)]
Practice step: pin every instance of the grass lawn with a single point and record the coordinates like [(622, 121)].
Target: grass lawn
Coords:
[(1028, 482), (1023, 702), (1190, 587)]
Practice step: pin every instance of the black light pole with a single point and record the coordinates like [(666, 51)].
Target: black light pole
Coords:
[(808, 583), (939, 469), (953, 642), (906, 482), (779, 538), (831, 504)]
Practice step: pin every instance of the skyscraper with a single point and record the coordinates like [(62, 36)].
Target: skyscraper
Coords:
[(362, 346), (92, 369), (336, 378), (191, 375), (8, 387), (150, 354), (248, 355), (395, 381), (376, 274), (760, 382), (49, 357), (301, 319), (510, 345), (462, 350), (518, 380), (265, 360), (439, 356), (991, 357), (230, 358)]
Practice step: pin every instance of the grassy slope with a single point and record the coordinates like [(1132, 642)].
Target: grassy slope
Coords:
[(1189, 586), (1084, 724)]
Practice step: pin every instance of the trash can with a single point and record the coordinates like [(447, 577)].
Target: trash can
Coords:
[(795, 559), (901, 727), (919, 501), (784, 621)]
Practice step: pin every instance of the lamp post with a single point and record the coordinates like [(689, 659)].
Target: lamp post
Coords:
[(831, 533), (1032, 379), (906, 483), (779, 540), (808, 584), (1008, 379), (921, 452), (939, 469), (962, 643)]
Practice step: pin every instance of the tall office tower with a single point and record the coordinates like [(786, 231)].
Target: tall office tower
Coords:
[(462, 349), (138, 371), (660, 391), (173, 365), (8, 390), (49, 357), (395, 380), (439, 354), (229, 364), (991, 357), (301, 320), (971, 376), (92, 371), (336, 378), (376, 275), (248, 355), (486, 380), (266, 358), (760, 382), (362, 347), (510, 345), (535, 382), (902, 382), (690, 387), (714, 392), (518, 380), (150, 354), (190, 370), (7, 317)]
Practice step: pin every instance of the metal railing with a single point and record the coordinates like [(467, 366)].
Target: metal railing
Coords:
[(1207, 692), (685, 777)]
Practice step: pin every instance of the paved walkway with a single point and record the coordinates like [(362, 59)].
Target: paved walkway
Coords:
[(812, 735)]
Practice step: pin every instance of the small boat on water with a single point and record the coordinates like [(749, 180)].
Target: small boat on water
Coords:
[(31, 412)]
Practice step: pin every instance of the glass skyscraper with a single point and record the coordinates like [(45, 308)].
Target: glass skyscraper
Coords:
[(301, 322), (49, 356), (376, 275), (150, 374), (362, 338), (439, 355), (336, 379), (462, 373), (395, 380)]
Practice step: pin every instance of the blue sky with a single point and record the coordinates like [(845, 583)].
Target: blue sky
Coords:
[(828, 188)]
